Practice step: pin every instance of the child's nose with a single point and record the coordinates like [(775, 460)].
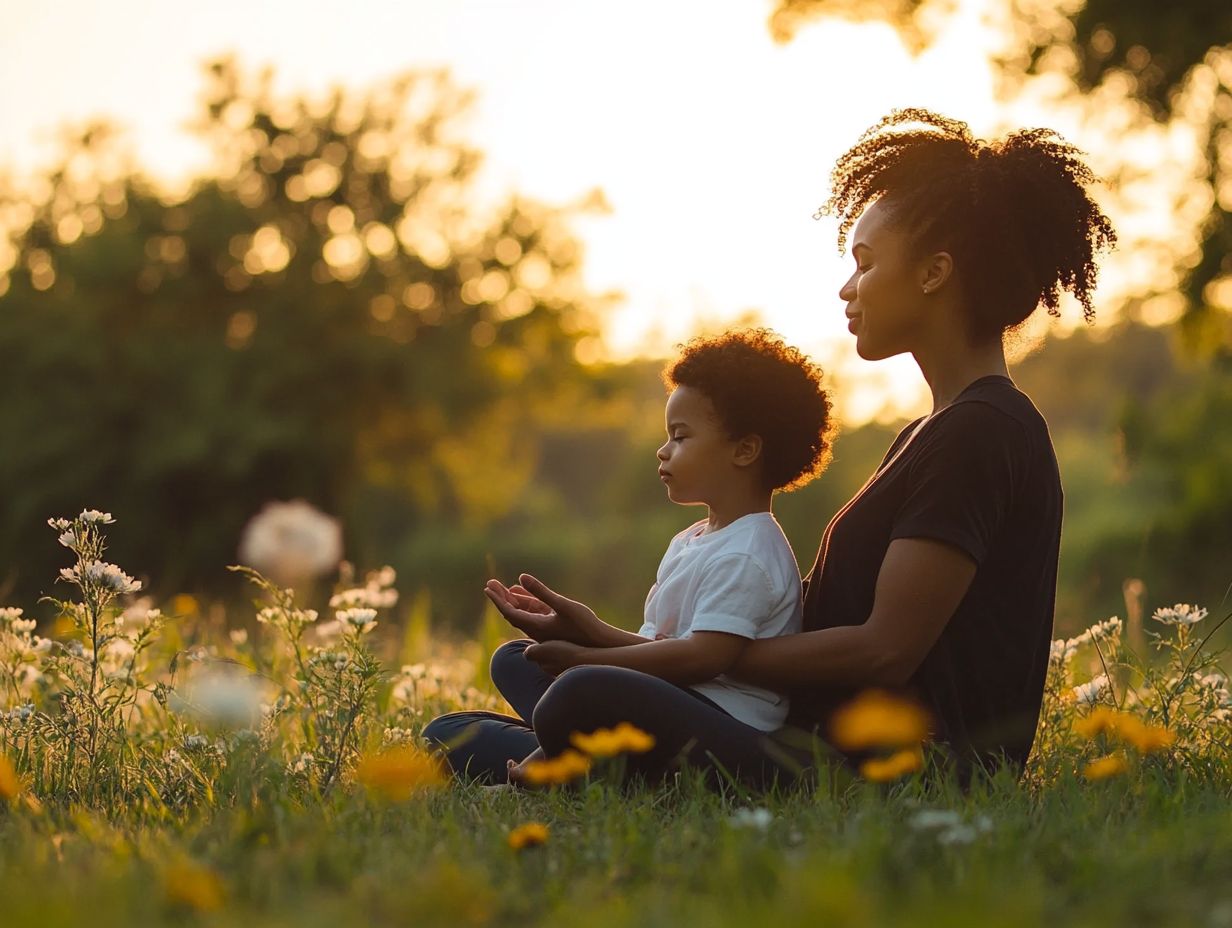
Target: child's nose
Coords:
[(662, 453)]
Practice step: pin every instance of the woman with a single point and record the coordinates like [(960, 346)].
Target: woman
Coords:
[(938, 578)]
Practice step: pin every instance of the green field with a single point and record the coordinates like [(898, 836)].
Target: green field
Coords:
[(156, 770)]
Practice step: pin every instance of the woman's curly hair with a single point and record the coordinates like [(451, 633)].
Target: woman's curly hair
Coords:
[(1014, 214), (761, 386)]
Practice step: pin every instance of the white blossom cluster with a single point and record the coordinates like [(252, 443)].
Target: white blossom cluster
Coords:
[(1088, 694), (1180, 614), (376, 593), (102, 575), (360, 619), (950, 827), (1064, 648), (392, 737)]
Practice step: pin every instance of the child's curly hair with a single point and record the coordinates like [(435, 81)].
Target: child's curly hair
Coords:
[(761, 386), (1015, 213)]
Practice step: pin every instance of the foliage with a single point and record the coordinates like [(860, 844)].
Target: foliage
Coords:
[(331, 316), (210, 820)]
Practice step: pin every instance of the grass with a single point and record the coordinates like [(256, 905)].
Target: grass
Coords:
[(157, 777)]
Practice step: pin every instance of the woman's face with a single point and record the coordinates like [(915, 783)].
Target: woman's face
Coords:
[(884, 295)]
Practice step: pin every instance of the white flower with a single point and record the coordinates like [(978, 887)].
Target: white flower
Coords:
[(301, 764), (101, 574), (68, 539), (229, 699), (757, 819), (928, 819), (291, 542), (1087, 694), (238, 636), (10, 613), (1180, 614), (360, 619), (20, 713), (92, 516), (60, 525)]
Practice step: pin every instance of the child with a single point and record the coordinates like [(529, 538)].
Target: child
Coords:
[(747, 416)]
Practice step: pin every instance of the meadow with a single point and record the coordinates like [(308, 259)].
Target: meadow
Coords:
[(172, 765)]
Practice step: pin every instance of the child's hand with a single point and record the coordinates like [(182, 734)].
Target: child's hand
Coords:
[(555, 657), (541, 613)]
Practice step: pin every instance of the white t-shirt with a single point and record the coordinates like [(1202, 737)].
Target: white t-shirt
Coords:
[(742, 580)]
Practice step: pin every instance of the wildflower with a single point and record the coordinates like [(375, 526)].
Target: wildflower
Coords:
[(238, 636), (1087, 694), (1104, 767), (93, 516), (10, 613), (755, 819), (194, 887), (360, 619), (532, 834), (101, 574), (196, 742), (894, 767), (400, 772), (60, 525), (184, 604), (878, 719), (608, 742), (562, 769), (1180, 614), (10, 785), (228, 699), (302, 764), (1147, 739), (68, 539), (291, 542)]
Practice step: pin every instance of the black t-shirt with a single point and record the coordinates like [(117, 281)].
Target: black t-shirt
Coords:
[(980, 475)]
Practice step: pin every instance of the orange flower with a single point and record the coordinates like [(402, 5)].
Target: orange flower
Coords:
[(568, 766), (608, 742), (532, 834), (10, 784), (194, 887), (1126, 727), (1105, 767), (894, 767), (876, 719), (401, 772)]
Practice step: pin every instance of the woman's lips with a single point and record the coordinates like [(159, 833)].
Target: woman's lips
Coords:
[(851, 322)]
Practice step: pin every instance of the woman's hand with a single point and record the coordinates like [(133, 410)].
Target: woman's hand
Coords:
[(541, 613), (555, 657)]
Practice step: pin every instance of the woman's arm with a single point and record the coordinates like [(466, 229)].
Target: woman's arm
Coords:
[(543, 614), (919, 586), (700, 657)]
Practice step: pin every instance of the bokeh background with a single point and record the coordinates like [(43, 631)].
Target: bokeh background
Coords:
[(420, 265)]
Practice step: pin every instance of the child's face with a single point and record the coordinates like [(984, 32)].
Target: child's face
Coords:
[(696, 461)]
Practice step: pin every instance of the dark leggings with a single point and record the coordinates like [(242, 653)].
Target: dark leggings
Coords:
[(688, 728)]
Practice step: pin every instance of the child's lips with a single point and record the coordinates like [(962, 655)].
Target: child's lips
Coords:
[(664, 475)]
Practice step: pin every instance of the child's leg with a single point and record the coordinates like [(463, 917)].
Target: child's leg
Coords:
[(522, 682)]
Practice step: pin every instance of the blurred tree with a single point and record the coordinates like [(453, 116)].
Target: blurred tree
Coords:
[(331, 315), (1174, 61)]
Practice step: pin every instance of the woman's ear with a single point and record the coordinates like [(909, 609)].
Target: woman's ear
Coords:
[(936, 272), (748, 451)]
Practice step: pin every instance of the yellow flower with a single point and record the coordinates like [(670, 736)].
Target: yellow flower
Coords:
[(608, 742), (10, 785), (194, 887), (399, 773), (894, 767), (1101, 720), (184, 604), (1105, 767), (1126, 727), (531, 834), (568, 766), (876, 719), (1147, 739)]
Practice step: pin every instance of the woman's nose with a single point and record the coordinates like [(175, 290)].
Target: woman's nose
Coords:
[(847, 292)]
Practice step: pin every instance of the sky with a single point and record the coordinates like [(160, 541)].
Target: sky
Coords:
[(711, 143)]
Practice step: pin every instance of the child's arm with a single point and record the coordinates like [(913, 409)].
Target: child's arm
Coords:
[(700, 657)]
